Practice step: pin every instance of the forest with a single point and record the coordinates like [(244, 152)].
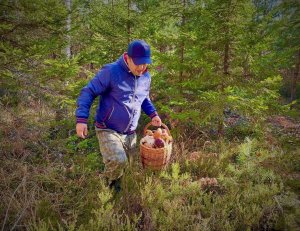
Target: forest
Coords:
[(225, 80)]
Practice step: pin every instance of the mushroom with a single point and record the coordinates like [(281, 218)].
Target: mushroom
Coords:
[(157, 134), (148, 141), (149, 132), (159, 143)]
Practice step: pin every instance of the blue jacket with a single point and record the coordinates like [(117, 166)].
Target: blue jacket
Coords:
[(123, 95)]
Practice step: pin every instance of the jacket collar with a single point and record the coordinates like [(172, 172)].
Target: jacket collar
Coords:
[(123, 63)]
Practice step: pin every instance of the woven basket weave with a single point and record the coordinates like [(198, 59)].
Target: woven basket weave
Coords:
[(155, 158)]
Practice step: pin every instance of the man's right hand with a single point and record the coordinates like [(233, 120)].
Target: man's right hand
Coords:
[(81, 130)]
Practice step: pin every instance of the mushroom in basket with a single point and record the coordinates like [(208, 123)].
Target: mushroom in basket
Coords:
[(148, 141), (158, 140)]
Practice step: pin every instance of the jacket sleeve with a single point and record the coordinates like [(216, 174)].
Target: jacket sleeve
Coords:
[(94, 88), (147, 105), (149, 108)]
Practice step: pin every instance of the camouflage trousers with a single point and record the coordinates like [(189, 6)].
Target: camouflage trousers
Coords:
[(117, 151)]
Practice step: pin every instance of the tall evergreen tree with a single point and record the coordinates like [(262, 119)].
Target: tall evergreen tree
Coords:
[(285, 26)]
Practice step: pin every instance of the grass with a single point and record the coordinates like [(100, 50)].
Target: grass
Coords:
[(53, 183)]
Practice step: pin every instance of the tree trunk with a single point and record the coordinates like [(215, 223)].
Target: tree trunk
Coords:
[(181, 52), (226, 58), (295, 78), (221, 129), (113, 26), (128, 21), (246, 69), (68, 27)]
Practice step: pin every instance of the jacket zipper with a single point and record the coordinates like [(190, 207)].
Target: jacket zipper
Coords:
[(112, 111), (132, 101)]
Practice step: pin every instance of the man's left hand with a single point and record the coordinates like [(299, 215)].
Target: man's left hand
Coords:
[(156, 121)]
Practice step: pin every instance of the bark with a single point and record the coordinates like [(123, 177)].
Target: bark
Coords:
[(181, 52), (68, 27), (295, 78), (113, 26), (128, 21), (226, 58), (246, 69), (227, 39), (221, 129), (226, 64)]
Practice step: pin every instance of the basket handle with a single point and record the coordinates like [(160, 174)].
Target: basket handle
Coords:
[(162, 125)]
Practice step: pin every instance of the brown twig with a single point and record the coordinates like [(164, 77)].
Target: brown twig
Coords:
[(6, 214)]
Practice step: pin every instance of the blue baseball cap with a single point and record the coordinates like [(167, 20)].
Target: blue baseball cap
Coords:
[(139, 51)]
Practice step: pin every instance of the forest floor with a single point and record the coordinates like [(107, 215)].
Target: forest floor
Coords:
[(286, 125), (288, 129), (33, 167)]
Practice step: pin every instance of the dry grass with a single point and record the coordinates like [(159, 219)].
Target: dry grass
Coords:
[(36, 186)]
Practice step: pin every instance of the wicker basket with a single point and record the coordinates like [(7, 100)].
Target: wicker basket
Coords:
[(155, 158)]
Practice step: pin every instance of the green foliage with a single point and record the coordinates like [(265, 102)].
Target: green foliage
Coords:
[(208, 56), (241, 207), (45, 211), (246, 150), (81, 146), (62, 69), (93, 162), (104, 217), (242, 130)]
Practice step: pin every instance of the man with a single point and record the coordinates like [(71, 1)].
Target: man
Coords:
[(124, 87)]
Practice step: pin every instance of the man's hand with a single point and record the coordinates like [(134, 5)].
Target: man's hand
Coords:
[(156, 121), (81, 130)]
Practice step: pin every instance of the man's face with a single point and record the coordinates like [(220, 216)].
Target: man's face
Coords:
[(136, 69)]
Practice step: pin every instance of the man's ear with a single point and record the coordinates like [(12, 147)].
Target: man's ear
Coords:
[(129, 59)]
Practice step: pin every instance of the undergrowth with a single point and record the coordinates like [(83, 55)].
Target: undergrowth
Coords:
[(51, 180)]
